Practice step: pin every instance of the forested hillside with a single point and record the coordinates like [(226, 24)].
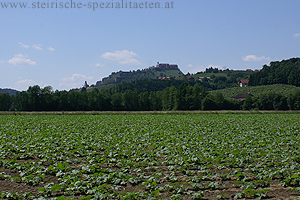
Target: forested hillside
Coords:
[(9, 91), (283, 72)]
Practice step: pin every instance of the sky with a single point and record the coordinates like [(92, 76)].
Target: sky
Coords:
[(62, 43)]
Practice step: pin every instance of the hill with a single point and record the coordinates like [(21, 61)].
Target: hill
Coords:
[(10, 91), (148, 79), (283, 72), (220, 79), (256, 90), (154, 72)]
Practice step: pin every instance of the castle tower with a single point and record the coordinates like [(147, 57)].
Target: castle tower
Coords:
[(86, 84)]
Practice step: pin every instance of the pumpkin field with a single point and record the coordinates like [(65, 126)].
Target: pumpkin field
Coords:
[(147, 156)]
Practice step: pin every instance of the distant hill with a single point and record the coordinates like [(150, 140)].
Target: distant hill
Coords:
[(220, 79), (154, 72), (256, 90), (283, 72), (10, 91), (211, 78)]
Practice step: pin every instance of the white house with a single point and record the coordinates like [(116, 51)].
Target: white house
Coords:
[(243, 82)]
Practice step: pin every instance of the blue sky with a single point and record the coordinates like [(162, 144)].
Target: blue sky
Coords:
[(63, 47)]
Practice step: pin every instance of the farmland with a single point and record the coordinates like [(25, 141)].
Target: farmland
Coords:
[(179, 156)]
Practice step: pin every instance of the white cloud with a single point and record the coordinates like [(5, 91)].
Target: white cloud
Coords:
[(1, 61), (97, 65), (27, 82), (297, 35), (23, 45), (123, 57), (21, 60), (51, 49), (37, 47), (190, 65), (255, 58), (75, 81), (24, 84), (76, 77)]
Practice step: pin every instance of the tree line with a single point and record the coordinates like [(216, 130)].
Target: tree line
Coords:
[(185, 97)]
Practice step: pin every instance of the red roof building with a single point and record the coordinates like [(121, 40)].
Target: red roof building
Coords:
[(243, 82)]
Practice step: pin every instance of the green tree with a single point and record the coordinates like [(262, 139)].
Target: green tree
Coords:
[(189, 97), (280, 102), (266, 101), (5, 101), (199, 93), (75, 100), (144, 101), (247, 105), (130, 100), (168, 98), (117, 102), (22, 101), (46, 99), (64, 100), (94, 100), (294, 100), (172, 98), (209, 103), (219, 100), (165, 100), (181, 97), (231, 104), (34, 101), (155, 100)]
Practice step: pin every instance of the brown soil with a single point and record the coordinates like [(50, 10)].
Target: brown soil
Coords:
[(228, 188)]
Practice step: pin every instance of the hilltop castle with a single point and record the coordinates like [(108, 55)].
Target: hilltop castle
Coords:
[(147, 73), (167, 66)]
